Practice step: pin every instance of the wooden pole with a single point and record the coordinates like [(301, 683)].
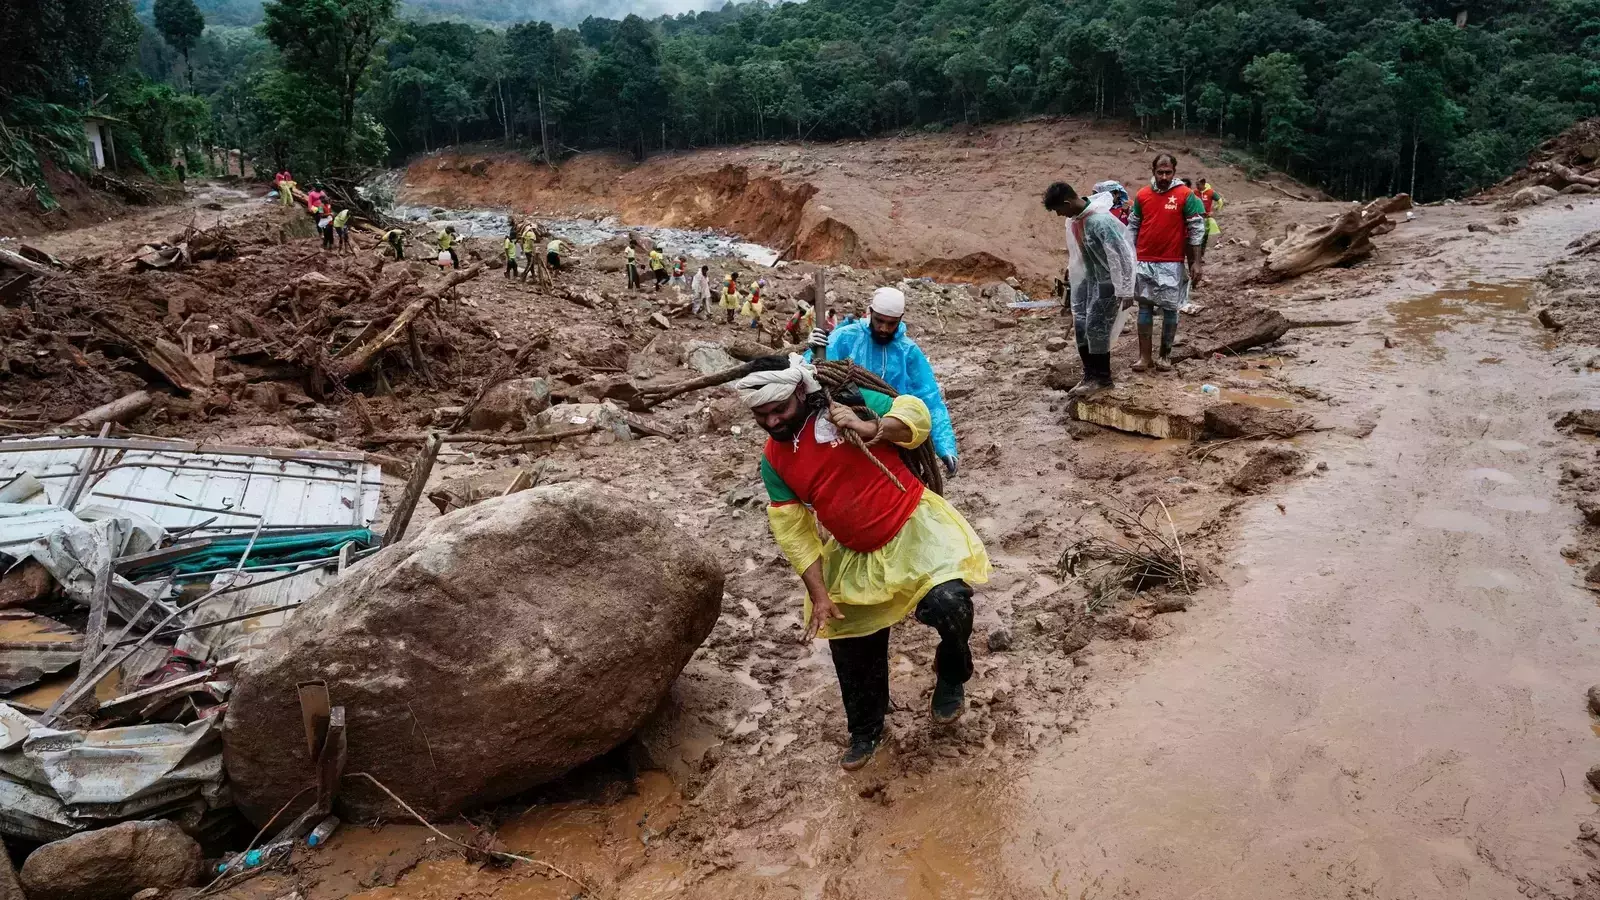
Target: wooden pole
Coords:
[(419, 480)]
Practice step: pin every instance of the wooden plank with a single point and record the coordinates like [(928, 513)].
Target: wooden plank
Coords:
[(172, 686)]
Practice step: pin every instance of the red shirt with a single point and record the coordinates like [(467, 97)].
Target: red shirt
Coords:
[(1208, 197), (1162, 231), (861, 508)]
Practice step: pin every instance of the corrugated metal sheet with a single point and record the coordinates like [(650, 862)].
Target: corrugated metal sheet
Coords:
[(168, 483), (54, 783), (239, 637)]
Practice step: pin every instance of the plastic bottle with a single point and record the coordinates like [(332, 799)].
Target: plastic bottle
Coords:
[(324, 830), (1208, 389)]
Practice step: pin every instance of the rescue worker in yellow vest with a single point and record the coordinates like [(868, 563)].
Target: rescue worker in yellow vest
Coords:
[(631, 257), (658, 267), (510, 247), (552, 253), (447, 244)]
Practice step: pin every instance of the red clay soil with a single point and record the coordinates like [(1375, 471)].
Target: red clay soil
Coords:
[(959, 207)]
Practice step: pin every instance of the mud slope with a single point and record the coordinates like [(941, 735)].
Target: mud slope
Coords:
[(953, 206)]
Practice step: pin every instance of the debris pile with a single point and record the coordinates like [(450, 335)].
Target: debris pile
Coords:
[(213, 317), (1568, 163), (134, 574)]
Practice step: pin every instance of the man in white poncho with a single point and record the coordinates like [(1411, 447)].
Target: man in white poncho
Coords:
[(1100, 267)]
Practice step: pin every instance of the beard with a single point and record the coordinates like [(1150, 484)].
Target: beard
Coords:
[(881, 338), (786, 431)]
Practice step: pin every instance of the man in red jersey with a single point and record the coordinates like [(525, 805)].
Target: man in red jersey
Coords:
[(895, 548), (1168, 226)]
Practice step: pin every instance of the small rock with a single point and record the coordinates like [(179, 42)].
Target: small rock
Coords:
[(149, 894), (1586, 831), (1593, 576), (1593, 776), (1589, 505), (1048, 622), (1481, 228), (113, 863), (1013, 283), (999, 639), (1171, 603), (1322, 467), (1141, 630), (660, 321), (1388, 342), (1571, 551), (1001, 323), (1077, 639), (1594, 699), (1056, 344)]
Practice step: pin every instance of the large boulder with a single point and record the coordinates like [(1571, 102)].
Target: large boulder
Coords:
[(511, 403), (114, 863), (488, 653)]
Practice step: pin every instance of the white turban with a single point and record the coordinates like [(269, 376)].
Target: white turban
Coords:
[(888, 301), (761, 388)]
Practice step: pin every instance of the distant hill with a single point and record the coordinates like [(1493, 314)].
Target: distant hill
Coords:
[(485, 12)]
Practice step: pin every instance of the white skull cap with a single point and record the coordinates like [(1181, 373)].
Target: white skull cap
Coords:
[(888, 301)]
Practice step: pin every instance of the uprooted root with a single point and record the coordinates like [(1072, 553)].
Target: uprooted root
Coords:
[(1145, 557)]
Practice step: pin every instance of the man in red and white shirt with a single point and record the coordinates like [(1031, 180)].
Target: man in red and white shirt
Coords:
[(1168, 226)]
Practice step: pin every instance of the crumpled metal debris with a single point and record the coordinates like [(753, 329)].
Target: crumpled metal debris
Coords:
[(56, 783)]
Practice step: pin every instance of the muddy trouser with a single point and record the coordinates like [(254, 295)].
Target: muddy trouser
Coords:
[(1169, 324), (862, 663), (1094, 310), (511, 267), (344, 237)]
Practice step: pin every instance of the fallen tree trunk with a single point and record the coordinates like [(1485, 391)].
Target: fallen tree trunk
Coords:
[(122, 410), (653, 396), (469, 438), (21, 263), (1561, 176), (1345, 240), (360, 359)]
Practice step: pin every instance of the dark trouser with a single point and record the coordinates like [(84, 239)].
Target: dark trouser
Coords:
[(344, 238), (455, 261), (862, 663), (661, 278), (554, 259), (511, 267), (633, 276), (327, 237), (1094, 311), (398, 248), (1169, 324)]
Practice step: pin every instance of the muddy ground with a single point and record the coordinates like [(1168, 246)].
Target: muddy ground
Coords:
[(960, 206), (1375, 690)]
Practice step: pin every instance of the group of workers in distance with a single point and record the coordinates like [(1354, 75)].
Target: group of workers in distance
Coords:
[(330, 224), (896, 549)]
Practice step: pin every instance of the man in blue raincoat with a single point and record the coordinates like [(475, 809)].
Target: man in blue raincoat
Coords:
[(879, 344)]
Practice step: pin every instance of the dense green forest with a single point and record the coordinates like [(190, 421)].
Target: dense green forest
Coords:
[(1362, 97), (480, 12)]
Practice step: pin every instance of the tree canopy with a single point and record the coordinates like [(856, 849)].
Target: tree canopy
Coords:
[(1361, 97)]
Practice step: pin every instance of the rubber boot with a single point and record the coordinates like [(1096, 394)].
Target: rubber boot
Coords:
[(1103, 370), (1146, 342), (1083, 359)]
